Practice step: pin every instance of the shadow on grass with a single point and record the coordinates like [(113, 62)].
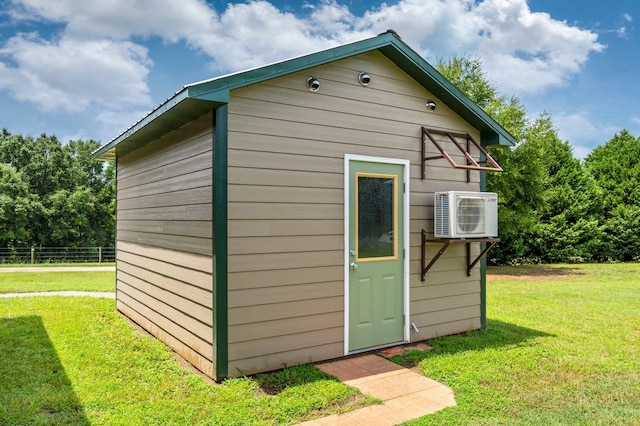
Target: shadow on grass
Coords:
[(35, 388), (497, 334)]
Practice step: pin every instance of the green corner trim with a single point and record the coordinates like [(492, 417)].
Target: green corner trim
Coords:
[(220, 251), (483, 267), (483, 290)]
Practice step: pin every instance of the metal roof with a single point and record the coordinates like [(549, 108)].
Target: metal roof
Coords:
[(196, 99)]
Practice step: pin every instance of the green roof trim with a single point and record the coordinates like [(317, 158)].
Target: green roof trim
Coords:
[(202, 97)]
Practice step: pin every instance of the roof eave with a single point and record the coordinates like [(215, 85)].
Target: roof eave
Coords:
[(169, 116), (390, 45), (492, 133), (204, 96), (108, 151), (218, 89)]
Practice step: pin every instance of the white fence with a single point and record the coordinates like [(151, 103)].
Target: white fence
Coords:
[(32, 255)]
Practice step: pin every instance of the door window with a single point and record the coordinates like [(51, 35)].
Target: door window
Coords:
[(376, 213)]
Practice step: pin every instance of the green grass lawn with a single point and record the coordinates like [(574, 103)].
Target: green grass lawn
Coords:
[(562, 347), (76, 361), (28, 282)]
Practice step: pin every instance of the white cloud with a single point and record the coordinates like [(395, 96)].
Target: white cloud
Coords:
[(529, 52), (172, 20), (622, 31), (107, 121), (524, 52), (253, 34), (581, 129), (257, 33), (71, 74)]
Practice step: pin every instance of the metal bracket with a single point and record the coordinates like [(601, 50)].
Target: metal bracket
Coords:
[(487, 165), (446, 243)]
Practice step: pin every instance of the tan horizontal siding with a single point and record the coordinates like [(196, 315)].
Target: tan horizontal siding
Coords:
[(276, 311), (286, 326), (189, 196), (284, 277), (285, 244), (273, 361), (185, 337), (164, 240), (294, 345), (179, 289), (284, 227), (467, 313), (191, 140), (169, 180), (342, 106), (291, 261), (428, 290), (279, 194), (185, 260), (429, 331), (282, 211), (187, 228), (264, 346), (186, 166), (279, 294), (193, 277), (201, 363), (196, 179), (294, 162), (183, 243), (170, 310), (186, 213), (173, 301), (445, 303), (318, 141), (286, 212), (287, 178)]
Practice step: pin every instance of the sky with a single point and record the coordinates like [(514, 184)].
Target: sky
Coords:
[(81, 69)]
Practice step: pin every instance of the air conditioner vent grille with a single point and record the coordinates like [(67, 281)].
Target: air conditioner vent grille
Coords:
[(470, 215), (442, 214)]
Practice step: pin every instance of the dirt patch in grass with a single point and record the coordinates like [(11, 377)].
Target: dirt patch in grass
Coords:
[(408, 356), (533, 272)]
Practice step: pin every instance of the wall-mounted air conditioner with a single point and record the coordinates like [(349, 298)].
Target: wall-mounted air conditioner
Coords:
[(460, 214)]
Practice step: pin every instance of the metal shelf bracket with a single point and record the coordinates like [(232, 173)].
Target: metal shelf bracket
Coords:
[(446, 242)]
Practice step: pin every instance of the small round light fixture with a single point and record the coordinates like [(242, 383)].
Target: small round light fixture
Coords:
[(431, 105), (313, 84), (364, 79)]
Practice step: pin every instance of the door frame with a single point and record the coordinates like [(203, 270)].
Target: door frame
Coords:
[(405, 249)]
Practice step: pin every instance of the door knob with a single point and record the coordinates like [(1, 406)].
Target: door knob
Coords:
[(353, 265)]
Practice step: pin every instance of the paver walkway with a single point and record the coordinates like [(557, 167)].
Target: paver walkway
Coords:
[(406, 394)]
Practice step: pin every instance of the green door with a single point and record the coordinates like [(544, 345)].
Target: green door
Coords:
[(376, 278)]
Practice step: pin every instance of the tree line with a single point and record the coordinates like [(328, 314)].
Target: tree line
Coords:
[(54, 194), (553, 207)]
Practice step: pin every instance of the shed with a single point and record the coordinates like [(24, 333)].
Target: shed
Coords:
[(275, 216)]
